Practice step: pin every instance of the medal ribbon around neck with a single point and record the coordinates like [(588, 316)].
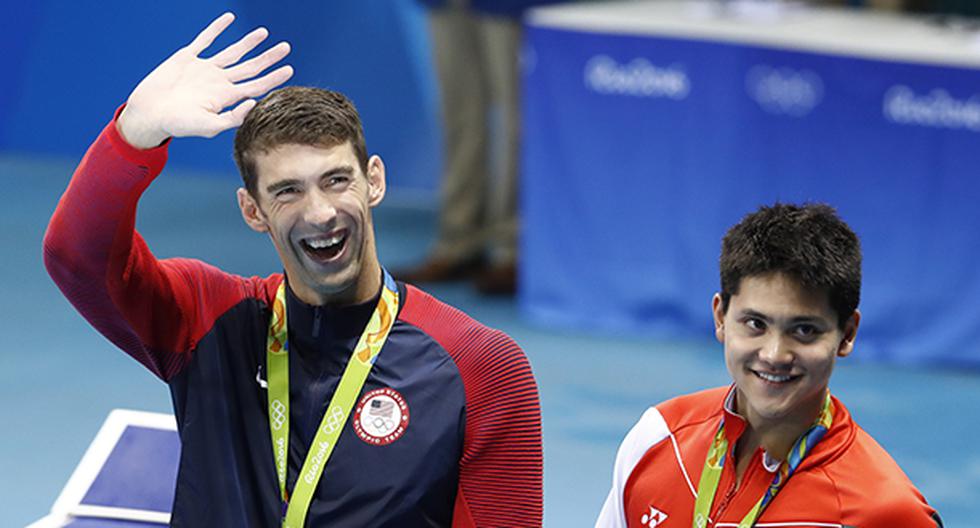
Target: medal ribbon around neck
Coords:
[(359, 365), (713, 463)]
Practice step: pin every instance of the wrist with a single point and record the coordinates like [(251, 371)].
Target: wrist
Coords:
[(135, 133)]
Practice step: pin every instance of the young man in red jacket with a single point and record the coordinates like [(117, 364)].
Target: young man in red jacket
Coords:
[(775, 448)]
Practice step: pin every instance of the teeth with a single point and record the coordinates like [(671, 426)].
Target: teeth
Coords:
[(321, 243), (772, 377)]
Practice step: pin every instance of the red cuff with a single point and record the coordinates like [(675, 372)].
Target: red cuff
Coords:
[(154, 159)]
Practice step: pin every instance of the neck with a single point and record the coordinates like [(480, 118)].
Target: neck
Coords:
[(776, 436), (366, 287), (363, 289), (776, 441), (368, 280)]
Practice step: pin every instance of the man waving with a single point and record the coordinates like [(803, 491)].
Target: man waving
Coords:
[(329, 394)]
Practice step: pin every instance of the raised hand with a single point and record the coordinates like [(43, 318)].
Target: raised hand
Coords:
[(187, 95)]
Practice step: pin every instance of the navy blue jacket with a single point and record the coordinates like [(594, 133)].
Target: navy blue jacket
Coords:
[(469, 453)]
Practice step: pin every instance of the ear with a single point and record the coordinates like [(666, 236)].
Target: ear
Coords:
[(850, 334), (376, 180), (251, 212), (719, 316)]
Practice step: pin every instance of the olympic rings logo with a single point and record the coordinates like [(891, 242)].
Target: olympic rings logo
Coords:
[(383, 425), (278, 414), (335, 420)]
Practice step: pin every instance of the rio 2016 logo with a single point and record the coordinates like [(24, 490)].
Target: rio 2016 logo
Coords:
[(937, 108), (637, 78)]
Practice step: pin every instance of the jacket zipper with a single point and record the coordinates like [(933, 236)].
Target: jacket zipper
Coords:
[(316, 322), (734, 487)]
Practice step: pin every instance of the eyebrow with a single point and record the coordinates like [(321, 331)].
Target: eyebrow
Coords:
[(342, 169)]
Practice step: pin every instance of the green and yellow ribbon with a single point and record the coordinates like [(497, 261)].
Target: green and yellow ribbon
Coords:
[(715, 461), (359, 365)]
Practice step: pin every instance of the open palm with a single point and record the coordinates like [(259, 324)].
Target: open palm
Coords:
[(187, 95)]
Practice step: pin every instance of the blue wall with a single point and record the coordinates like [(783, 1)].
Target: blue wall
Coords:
[(635, 169), (68, 65)]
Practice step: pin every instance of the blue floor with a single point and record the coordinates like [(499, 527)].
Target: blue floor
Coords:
[(59, 379)]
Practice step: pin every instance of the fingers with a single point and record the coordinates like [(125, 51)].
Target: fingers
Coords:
[(257, 65), (206, 37), (234, 117), (215, 124), (257, 87), (236, 51)]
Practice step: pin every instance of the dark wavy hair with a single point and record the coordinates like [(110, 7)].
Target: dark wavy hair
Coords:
[(297, 115), (809, 242)]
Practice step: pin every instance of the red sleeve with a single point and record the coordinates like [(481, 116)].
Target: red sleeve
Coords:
[(154, 310), (500, 480)]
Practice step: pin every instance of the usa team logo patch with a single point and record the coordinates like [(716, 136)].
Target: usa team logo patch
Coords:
[(381, 416)]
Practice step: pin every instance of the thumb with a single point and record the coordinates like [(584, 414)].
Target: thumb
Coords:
[(236, 116)]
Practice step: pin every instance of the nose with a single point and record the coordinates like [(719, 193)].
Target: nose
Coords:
[(776, 351), (319, 208)]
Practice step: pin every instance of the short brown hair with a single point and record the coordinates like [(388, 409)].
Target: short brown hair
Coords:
[(297, 115), (809, 242)]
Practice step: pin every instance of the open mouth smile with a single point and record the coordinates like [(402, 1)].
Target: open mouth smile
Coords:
[(323, 249)]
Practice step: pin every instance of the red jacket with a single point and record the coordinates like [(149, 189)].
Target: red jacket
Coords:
[(848, 480)]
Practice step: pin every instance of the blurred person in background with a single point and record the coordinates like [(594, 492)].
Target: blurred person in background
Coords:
[(476, 46)]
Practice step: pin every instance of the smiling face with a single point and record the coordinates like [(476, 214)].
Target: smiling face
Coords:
[(315, 202), (781, 342)]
